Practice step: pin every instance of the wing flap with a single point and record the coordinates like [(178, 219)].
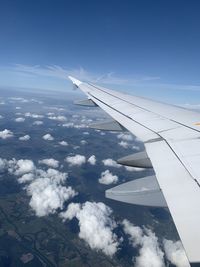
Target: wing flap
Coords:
[(143, 191)]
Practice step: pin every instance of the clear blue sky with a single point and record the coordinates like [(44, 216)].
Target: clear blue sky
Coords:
[(144, 43)]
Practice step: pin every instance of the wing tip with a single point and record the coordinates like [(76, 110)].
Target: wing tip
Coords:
[(74, 80)]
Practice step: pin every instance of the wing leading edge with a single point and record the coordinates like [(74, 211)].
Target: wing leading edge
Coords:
[(171, 136)]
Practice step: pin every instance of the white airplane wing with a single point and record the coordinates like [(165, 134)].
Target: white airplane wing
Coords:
[(171, 136)]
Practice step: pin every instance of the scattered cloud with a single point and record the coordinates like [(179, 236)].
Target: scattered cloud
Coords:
[(25, 138), (124, 144), (175, 253), (108, 178), (3, 164), (125, 137), (76, 160), (63, 143), (74, 125), (46, 189), (110, 163), (48, 192), (20, 167), (6, 134), (33, 115), (57, 118), (48, 137), (150, 253), (133, 169), (20, 119), (37, 122), (92, 160), (96, 225), (50, 162), (83, 142)]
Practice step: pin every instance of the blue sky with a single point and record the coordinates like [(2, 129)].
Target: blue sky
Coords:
[(147, 47)]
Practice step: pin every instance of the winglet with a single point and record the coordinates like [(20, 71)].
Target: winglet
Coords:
[(74, 80)]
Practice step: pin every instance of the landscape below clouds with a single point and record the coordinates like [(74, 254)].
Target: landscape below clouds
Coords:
[(54, 171)]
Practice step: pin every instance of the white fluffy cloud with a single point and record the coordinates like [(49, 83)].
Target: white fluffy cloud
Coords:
[(76, 160), (48, 194), (110, 163), (92, 160), (108, 178), (6, 134), (96, 225), (19, 119), (33, 115), (83, 142), (48, 137), (50, 162), (63, 143), (46, 189), (175, 253), (27, 177), (58, 118), (125, 137), (38, 123), (150, 253), (25, 138), (133, 169), (20, 167), (124, 144)]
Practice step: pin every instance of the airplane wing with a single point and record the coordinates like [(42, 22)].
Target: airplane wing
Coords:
[(171, 136)]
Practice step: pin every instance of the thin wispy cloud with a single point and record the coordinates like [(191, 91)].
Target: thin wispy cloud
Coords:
[(60, 72)]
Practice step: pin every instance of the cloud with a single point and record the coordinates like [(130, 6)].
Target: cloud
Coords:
[(92, 160), (3, 164), (20, 167), (48, 137), (20, 119), (63, 143), (124, 144), (83, 142), (76, 160), (175, 253), (25, 138), (73, 125), (96, 225), (27, 177), (6, 134), (46, 189), (33, 115), (50, 162), (59, 72), (37, 122), (110, 163), (48, 192), (125, 137), (150, 253), (108, 178), (133, 169), (57, 118)]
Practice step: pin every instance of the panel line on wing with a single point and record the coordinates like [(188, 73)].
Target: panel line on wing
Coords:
[(182, 124), (192, 177)]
